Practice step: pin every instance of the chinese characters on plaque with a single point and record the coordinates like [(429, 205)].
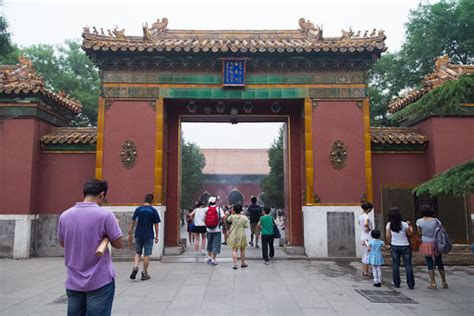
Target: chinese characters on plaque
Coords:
[(233, 72)]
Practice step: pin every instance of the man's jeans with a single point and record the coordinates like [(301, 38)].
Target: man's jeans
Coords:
[(405, 252), (97, 302)]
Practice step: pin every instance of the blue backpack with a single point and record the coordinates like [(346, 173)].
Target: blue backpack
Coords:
[(442, 241)]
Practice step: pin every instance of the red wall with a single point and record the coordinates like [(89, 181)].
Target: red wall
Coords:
[(19, 158), (129, 120), (61, 179), (397, 170), (451, 141), (343, 121), (220, 189)]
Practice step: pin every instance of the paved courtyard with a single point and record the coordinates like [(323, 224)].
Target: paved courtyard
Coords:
[(286, 287)]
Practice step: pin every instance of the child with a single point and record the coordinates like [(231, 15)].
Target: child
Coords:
[(265, 225), (376, 257)]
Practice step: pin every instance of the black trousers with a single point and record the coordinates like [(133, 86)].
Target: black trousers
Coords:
[(267, 241)]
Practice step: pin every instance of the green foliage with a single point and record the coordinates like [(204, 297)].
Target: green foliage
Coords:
[(192, 163), (443, 100), (8, 51), (386, 78), (273, 184), (432, 30), (67, 68), (458, 181)]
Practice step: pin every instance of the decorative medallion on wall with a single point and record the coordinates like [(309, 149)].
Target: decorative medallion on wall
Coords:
[(128, 154), (338, 155)]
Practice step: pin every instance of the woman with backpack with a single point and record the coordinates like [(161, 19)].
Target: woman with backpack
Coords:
[(396, 233), (427, 227)]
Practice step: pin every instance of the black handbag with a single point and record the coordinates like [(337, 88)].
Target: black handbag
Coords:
[(276, 231)]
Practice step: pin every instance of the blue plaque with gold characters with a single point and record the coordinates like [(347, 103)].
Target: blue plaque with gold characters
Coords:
[(233, 72)]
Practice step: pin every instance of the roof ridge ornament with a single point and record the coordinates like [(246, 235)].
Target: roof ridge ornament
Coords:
[(159, 27), (309, 29), (119, 34), (347, 35)]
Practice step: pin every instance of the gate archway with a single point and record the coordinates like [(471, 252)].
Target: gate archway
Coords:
[(316, 84)]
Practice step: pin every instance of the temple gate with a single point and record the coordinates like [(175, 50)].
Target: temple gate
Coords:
[(316, 84)]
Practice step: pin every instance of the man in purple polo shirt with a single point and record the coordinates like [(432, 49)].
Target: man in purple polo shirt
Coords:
[(90, 285)]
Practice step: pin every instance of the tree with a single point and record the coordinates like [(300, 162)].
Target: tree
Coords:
[(67, 68), (8, 51), (192, 163), (273, 184), (432, 30), (458, 180)]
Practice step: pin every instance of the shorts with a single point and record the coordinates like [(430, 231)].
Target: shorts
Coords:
[(214, 243), (254, 228), (141, 244), (199, 229)]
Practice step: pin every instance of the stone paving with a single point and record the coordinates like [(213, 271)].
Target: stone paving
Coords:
[(286, 287)]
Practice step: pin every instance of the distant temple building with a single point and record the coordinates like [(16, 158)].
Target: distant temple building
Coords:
[(233, 174)]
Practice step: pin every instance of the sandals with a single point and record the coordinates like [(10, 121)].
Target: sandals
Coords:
[(244, 265), (234, 267), (432, 286), (445, 285)]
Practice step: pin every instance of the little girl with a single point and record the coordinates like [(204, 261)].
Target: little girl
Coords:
[(376, 257)]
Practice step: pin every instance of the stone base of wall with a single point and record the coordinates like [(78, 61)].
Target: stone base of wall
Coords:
[(24, 236), (7, 234), (44, 237), (332, 231), (124, 214)]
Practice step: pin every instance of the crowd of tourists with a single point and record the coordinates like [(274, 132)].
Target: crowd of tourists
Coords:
[(90, 284), (429, 238), (208, 224)]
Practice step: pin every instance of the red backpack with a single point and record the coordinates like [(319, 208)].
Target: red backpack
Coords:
[(212, 217)]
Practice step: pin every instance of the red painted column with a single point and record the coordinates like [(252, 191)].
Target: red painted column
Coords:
[(172, 183), (296, 148)]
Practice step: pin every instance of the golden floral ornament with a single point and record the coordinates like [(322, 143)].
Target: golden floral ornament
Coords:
[(128, 154), (338, 155)]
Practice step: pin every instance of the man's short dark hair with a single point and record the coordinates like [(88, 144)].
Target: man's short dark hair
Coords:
[(367, 206), (149, 198), (253, 200), (267, 209), (95, 187)]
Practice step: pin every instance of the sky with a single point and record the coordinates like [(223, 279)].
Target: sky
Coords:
[(53, 21)]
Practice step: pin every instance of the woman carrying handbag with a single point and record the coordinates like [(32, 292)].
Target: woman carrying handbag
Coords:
[(396, 233)]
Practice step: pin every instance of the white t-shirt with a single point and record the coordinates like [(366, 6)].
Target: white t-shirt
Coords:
[(218, 228), (199, 215), (364, 234), (400, 238)]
